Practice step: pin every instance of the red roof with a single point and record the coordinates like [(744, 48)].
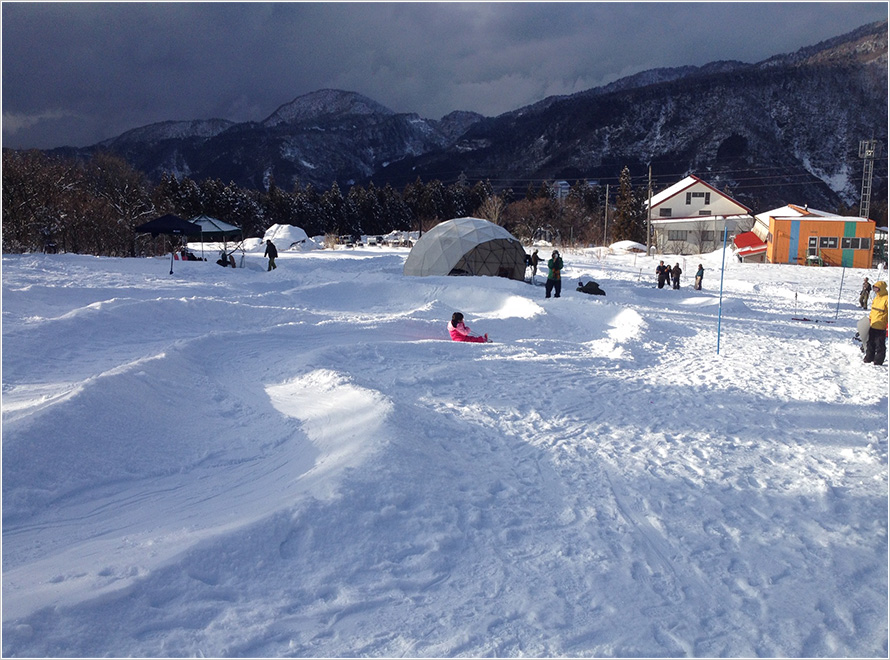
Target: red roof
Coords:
[(749, 243)]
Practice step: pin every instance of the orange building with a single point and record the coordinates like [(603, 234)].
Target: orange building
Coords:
[(800, 235)]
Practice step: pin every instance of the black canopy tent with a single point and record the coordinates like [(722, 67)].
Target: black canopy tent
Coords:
[(171, 225), (215, 230)]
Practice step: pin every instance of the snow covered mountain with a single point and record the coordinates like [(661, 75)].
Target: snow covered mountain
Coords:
[(787, 128), (326, 104)]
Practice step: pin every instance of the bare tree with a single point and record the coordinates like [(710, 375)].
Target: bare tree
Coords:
[(492, 209)]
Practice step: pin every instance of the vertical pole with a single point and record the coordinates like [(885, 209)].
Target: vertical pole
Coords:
[(649, 215), (720, 305), (840, 292)]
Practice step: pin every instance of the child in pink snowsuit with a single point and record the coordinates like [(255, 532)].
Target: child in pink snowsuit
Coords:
[(460, 332)]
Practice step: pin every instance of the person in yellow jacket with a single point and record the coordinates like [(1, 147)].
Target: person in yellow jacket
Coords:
[(876, 345)]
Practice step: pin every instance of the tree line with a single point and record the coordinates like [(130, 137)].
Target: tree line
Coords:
[(93, 206)]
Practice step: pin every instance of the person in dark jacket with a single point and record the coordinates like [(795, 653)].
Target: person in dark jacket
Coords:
[(272, 253), (554, 281), (591, 287), (675, 276), (699, 274), (663, 273), (863, 295), (534, 260)]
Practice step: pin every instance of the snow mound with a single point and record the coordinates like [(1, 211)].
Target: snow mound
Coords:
[(288, 237)]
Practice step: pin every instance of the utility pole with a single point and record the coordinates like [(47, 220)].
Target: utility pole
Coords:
[(868, 150), (649, 215)]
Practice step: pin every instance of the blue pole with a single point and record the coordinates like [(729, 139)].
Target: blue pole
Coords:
[(720, 305)]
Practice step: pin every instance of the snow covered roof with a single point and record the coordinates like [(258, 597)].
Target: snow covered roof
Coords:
[(794, 212), (682, 185), (215, 227)]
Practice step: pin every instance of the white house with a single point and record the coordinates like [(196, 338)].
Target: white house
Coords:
[(689, 217)]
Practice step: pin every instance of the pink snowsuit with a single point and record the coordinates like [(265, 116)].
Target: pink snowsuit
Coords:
[(462, 333)]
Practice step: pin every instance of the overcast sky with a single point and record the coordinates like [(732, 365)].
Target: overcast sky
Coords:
[(77, 73)]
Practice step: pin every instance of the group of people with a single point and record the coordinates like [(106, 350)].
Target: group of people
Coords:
[(226, 259), (666, 274), (553, 285)]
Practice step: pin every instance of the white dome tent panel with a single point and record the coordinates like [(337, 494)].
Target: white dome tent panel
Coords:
[(467, 246)]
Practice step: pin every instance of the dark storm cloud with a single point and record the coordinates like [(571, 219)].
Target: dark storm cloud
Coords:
[(78, 73)]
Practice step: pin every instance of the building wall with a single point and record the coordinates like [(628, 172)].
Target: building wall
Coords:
[(695, 236), (791, 241)]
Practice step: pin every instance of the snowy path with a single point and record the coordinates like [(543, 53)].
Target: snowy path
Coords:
[(298, 464)]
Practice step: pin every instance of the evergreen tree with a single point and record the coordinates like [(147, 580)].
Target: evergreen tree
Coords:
[(627, 223)]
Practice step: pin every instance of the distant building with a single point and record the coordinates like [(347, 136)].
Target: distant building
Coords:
[(690, 217), (560, 189), (801, 235)]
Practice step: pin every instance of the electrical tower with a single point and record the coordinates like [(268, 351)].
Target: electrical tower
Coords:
[(868, 149)]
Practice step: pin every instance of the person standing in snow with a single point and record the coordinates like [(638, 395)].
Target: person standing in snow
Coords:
[(272, 253), (554, 280), (876, 345), (863, 295), (534, 260), (662, 272), (675, 276), (460, 332), (699, 274)]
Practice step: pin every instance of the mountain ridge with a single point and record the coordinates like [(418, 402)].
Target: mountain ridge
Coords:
[(722, 114)]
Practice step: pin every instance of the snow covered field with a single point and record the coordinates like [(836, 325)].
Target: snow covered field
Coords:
[(230, 462)]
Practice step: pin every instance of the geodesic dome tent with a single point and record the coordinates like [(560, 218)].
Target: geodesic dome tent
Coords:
[(467, 246)]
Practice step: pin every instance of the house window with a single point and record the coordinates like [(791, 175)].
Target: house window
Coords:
[(828, 242), (664, 213), (676, 234), (707, 236), (700, 195), (813, 246), (856, 243), (704, 212)]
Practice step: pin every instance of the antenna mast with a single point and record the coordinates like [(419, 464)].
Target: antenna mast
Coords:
[(868, 150)]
